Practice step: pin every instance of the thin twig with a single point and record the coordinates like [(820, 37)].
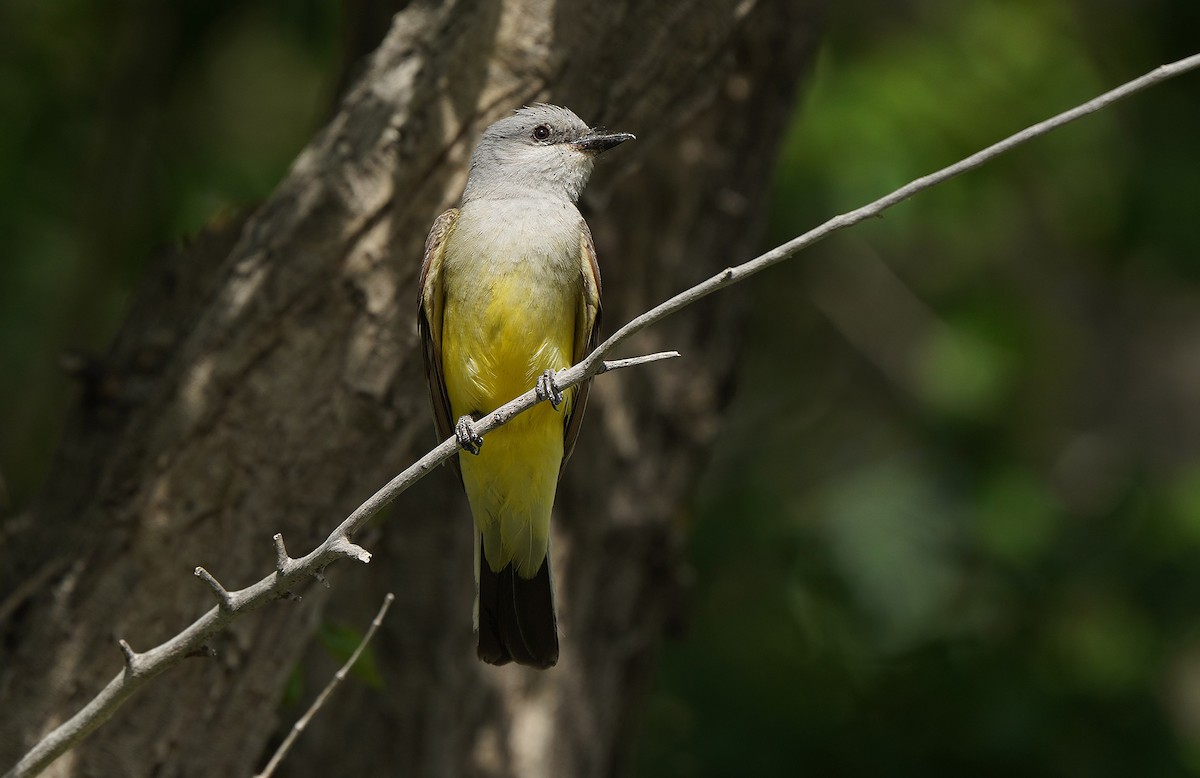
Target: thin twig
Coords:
[(338, 677), (337, 545), (617, 364)]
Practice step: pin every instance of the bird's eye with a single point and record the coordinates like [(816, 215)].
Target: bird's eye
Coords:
[(541, 132)]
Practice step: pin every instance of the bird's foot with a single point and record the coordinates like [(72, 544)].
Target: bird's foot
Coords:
[(547, 389), (468, 439)]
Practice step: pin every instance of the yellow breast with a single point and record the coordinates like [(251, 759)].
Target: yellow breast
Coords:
[(512, 289)]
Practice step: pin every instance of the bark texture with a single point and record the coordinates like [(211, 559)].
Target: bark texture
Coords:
[(269, 378)]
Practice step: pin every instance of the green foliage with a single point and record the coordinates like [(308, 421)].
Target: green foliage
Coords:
[(127, 126), (962, 536), (340, 642)]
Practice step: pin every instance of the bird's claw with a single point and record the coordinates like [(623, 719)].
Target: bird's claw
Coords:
[(547, 389), (468, 439)]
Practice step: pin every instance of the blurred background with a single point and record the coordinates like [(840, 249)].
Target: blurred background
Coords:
[(952, 523)]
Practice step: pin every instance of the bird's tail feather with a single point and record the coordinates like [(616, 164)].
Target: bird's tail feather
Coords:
[(515, 616)]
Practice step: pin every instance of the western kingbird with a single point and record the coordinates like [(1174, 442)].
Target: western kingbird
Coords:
[(510, 293)]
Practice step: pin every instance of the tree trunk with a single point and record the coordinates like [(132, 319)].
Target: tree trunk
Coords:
[(269, 378)]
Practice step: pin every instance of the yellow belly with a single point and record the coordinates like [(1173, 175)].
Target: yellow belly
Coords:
[(498, 337)]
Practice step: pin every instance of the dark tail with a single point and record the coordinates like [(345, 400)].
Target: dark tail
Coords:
[(517, 622)]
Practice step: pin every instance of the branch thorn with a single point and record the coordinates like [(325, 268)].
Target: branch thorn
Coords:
[(350, 550), (282, 560), (223, 595), (130, 655)]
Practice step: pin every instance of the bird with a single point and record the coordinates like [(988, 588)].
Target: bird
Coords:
[(509, 294)]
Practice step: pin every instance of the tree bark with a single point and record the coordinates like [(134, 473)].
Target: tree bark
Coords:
[(269, 378)]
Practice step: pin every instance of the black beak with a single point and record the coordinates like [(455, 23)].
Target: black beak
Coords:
[(598, 139)]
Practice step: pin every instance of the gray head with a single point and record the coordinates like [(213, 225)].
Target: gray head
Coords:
[(540, 151)]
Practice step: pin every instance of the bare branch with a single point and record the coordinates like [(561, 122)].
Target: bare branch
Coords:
[(776, 255), (338, 677), (338, 544)]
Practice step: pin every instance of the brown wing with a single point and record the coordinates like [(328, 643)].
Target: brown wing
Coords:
[(587, 335), (429, 321)]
